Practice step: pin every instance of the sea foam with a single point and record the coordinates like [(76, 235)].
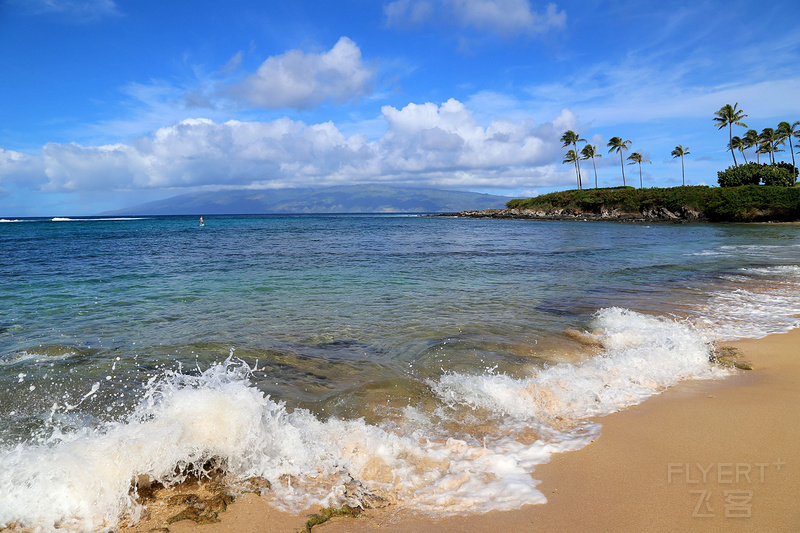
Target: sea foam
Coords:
[(81, 480), (642, 356), (755, 302)]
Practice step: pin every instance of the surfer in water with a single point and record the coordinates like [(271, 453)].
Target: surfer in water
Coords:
[(201, 221)]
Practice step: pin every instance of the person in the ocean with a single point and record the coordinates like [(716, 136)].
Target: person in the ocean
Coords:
[(201, 221)]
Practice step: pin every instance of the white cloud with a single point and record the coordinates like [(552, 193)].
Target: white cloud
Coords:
[(408, 12), (81, 10), (504, 17), (423, 138), (21, 169), (302, 80), (424, 144)]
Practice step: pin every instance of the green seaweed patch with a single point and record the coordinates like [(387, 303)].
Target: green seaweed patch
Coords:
[(729, 357), (330, 512)]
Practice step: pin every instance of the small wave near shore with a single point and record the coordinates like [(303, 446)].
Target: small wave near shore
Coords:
[(84, 480)]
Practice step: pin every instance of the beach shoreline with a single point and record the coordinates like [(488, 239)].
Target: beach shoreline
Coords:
[(710, 455)]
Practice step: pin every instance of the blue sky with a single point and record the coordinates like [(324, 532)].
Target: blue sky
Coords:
[(110, 103)]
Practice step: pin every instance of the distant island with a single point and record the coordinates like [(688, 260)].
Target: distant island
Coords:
[(344, 199), (748, 203)]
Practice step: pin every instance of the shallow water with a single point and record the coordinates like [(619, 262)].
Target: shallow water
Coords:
[(428, 360)]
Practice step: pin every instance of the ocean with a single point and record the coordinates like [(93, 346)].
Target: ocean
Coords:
[(427, 362)]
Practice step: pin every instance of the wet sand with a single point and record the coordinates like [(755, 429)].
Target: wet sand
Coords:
[(703, 456)]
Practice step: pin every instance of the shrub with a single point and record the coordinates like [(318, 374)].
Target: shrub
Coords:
[(780, 175), (748, 174)]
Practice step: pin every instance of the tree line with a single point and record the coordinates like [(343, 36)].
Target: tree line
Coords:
[(615, 144), (766, 142)]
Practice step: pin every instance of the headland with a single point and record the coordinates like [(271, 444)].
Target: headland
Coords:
[(749, 203)]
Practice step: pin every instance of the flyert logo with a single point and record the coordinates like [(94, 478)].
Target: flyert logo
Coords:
[(737, 503)]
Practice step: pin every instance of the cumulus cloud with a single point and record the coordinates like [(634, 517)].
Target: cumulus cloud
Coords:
[(428, 137), (504, 17), (20, 169), (424, 144), (304, 80)]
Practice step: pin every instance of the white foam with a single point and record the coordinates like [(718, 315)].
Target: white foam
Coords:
[(755, 303), (32, 357), (752, 251), (67, 219), (80, 481), (643, 355)]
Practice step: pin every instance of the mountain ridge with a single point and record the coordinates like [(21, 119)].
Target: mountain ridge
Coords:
[(338, 199)]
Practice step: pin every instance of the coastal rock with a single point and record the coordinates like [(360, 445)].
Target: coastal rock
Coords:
[(728, 356), (653, 214)]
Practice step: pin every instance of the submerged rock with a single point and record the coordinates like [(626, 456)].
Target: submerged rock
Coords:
[(729, 356)]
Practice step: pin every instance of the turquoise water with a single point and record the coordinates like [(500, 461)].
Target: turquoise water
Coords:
[(417, 328)]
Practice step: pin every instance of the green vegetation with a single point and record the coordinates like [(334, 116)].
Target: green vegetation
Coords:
[(776, 175), (329, 512), (634, 158), (616, 144), (572, 138), (766, 142), (680, 151), (590, 152), (729, 116), (744, 204), (718, 204)]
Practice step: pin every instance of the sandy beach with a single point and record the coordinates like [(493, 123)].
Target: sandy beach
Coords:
[(703, 456)]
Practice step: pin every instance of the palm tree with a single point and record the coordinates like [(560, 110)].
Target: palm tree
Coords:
[(770, 139), (763, 148), (797, 134), (572, 157), (634, 158), (728, 116), (787, 131), (738, 144), (751, 139), (570, 137), (590, 152), (680, 151), (616, 144)]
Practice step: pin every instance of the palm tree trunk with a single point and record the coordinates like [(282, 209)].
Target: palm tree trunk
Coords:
[(641, 183), (621, 162), (578, 174), (595, 172), (730, 136), (683, 172)]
